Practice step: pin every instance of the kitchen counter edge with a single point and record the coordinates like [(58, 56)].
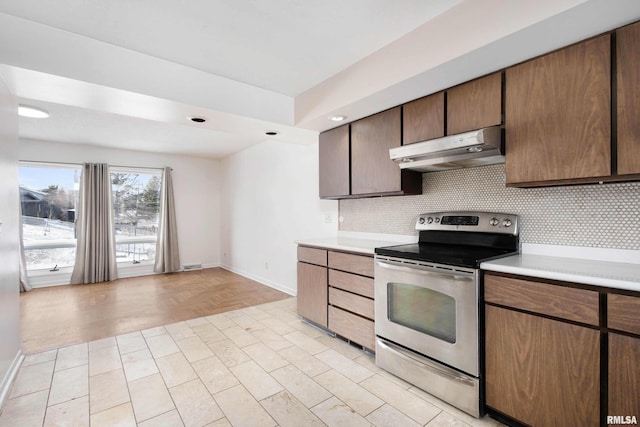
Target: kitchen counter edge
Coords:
[(348, 244)]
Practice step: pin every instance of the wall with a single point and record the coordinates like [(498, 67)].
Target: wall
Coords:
[(599, 216), (9, 219), (270, 199), (196, 184)]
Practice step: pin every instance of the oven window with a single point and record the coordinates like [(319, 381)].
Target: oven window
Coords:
[(423, 310)]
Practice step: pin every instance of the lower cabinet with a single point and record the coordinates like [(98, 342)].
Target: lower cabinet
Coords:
[(312, 293)]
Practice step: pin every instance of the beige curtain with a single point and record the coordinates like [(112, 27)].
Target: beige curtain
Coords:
[(167, 255), (96, 250)]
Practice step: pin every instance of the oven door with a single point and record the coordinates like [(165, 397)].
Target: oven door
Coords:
[(430, 309)]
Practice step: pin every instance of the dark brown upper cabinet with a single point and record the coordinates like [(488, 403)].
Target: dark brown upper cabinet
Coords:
[(628, 93), (558, 116), (423, 119), (372, 172), (334, 166), (475, 104)]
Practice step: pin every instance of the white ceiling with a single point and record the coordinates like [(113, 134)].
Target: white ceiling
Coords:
[(127, 74)]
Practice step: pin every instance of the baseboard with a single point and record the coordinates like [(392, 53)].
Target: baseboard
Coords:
[(262, 280), (7, 381)]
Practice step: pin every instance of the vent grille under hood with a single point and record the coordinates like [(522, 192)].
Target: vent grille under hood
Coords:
[(466, 150)]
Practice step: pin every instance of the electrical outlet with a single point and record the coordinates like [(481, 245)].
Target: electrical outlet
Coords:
[(327, 219)]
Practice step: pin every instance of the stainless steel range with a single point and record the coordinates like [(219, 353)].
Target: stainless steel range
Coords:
[(427, 302)]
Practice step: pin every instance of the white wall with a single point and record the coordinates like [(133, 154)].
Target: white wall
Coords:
[(9, 219), (196, 184), (270, 199)]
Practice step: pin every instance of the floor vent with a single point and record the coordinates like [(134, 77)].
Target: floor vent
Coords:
[(189, 267)]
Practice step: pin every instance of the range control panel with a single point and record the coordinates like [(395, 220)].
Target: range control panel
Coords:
[(484, 222)]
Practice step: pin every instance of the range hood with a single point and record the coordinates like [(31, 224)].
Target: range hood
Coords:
[(466, 150)]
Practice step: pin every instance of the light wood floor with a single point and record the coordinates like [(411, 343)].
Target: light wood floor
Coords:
[(63, 315)]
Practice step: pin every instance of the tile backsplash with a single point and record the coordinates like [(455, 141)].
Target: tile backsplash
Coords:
[(602, 216)]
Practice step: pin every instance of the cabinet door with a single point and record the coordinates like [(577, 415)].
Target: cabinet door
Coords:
[(558, 115), (371, 169), (423, 119), (474, 105), (312, 293), (628, 91), (624, 375), (334, 162), (542, 372)]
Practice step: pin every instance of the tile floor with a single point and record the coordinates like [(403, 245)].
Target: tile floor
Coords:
[(257, 366)]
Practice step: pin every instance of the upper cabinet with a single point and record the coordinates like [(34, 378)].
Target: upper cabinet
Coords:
[(628, 93), (334, 155), (372, 172), (558, 116), (423, 119), (475, 104)]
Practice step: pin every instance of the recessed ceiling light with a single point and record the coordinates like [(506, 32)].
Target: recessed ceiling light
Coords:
[(197, 119), (272, 132), (33, 112), (338, 118)]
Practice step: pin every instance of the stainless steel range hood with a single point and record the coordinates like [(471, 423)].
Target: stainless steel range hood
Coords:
[(466, 150)]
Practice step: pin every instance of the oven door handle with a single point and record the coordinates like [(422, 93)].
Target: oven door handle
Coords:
[(423, 269), (424, 364)]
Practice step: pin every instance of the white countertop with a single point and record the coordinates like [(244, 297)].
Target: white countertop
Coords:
[(363, 243), (619, 275)]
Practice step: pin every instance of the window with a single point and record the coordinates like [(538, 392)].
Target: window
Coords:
[(48, 199), (136, 206)]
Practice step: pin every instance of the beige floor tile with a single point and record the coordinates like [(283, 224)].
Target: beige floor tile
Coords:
[(406, 402), (72, 356), (175, 369), (214, 374), (347, 367), (198, 321), (128, 343), (239, 336), (162, 345), (168, 419), (244, 321), (221, 321), (209, 333), (139, 364), (265, 357), (270, 338), (222, 422), (241, 409), (277, 325), (32, 378), (150, 397), (336, 413), (107, 391), (306, 390), (69, 384), (309, 330), (121, 416), (359, 399), (194, 349), (103, 343), (388, 416), (195, 404), (304, 361), (104, 360), (444, 419), (45, 356), (369, 362), (179, 331), (306, 343), (255, 312), (153, 332), (256, 380), (74, 413), (342, 347), (25, 411), (289, 411), (229, 353)]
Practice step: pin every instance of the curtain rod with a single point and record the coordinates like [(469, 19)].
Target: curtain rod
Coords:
[(43, 163)]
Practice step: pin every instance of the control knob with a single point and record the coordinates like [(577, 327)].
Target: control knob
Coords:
[(494, 221), (421, 220), (506, 222), (429, 220)]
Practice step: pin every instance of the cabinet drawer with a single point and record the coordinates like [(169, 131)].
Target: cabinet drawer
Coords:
[(352, 327), (312, 255), (352, 283), (566, 303), (357, 264), (351, 302), (623, 313)]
